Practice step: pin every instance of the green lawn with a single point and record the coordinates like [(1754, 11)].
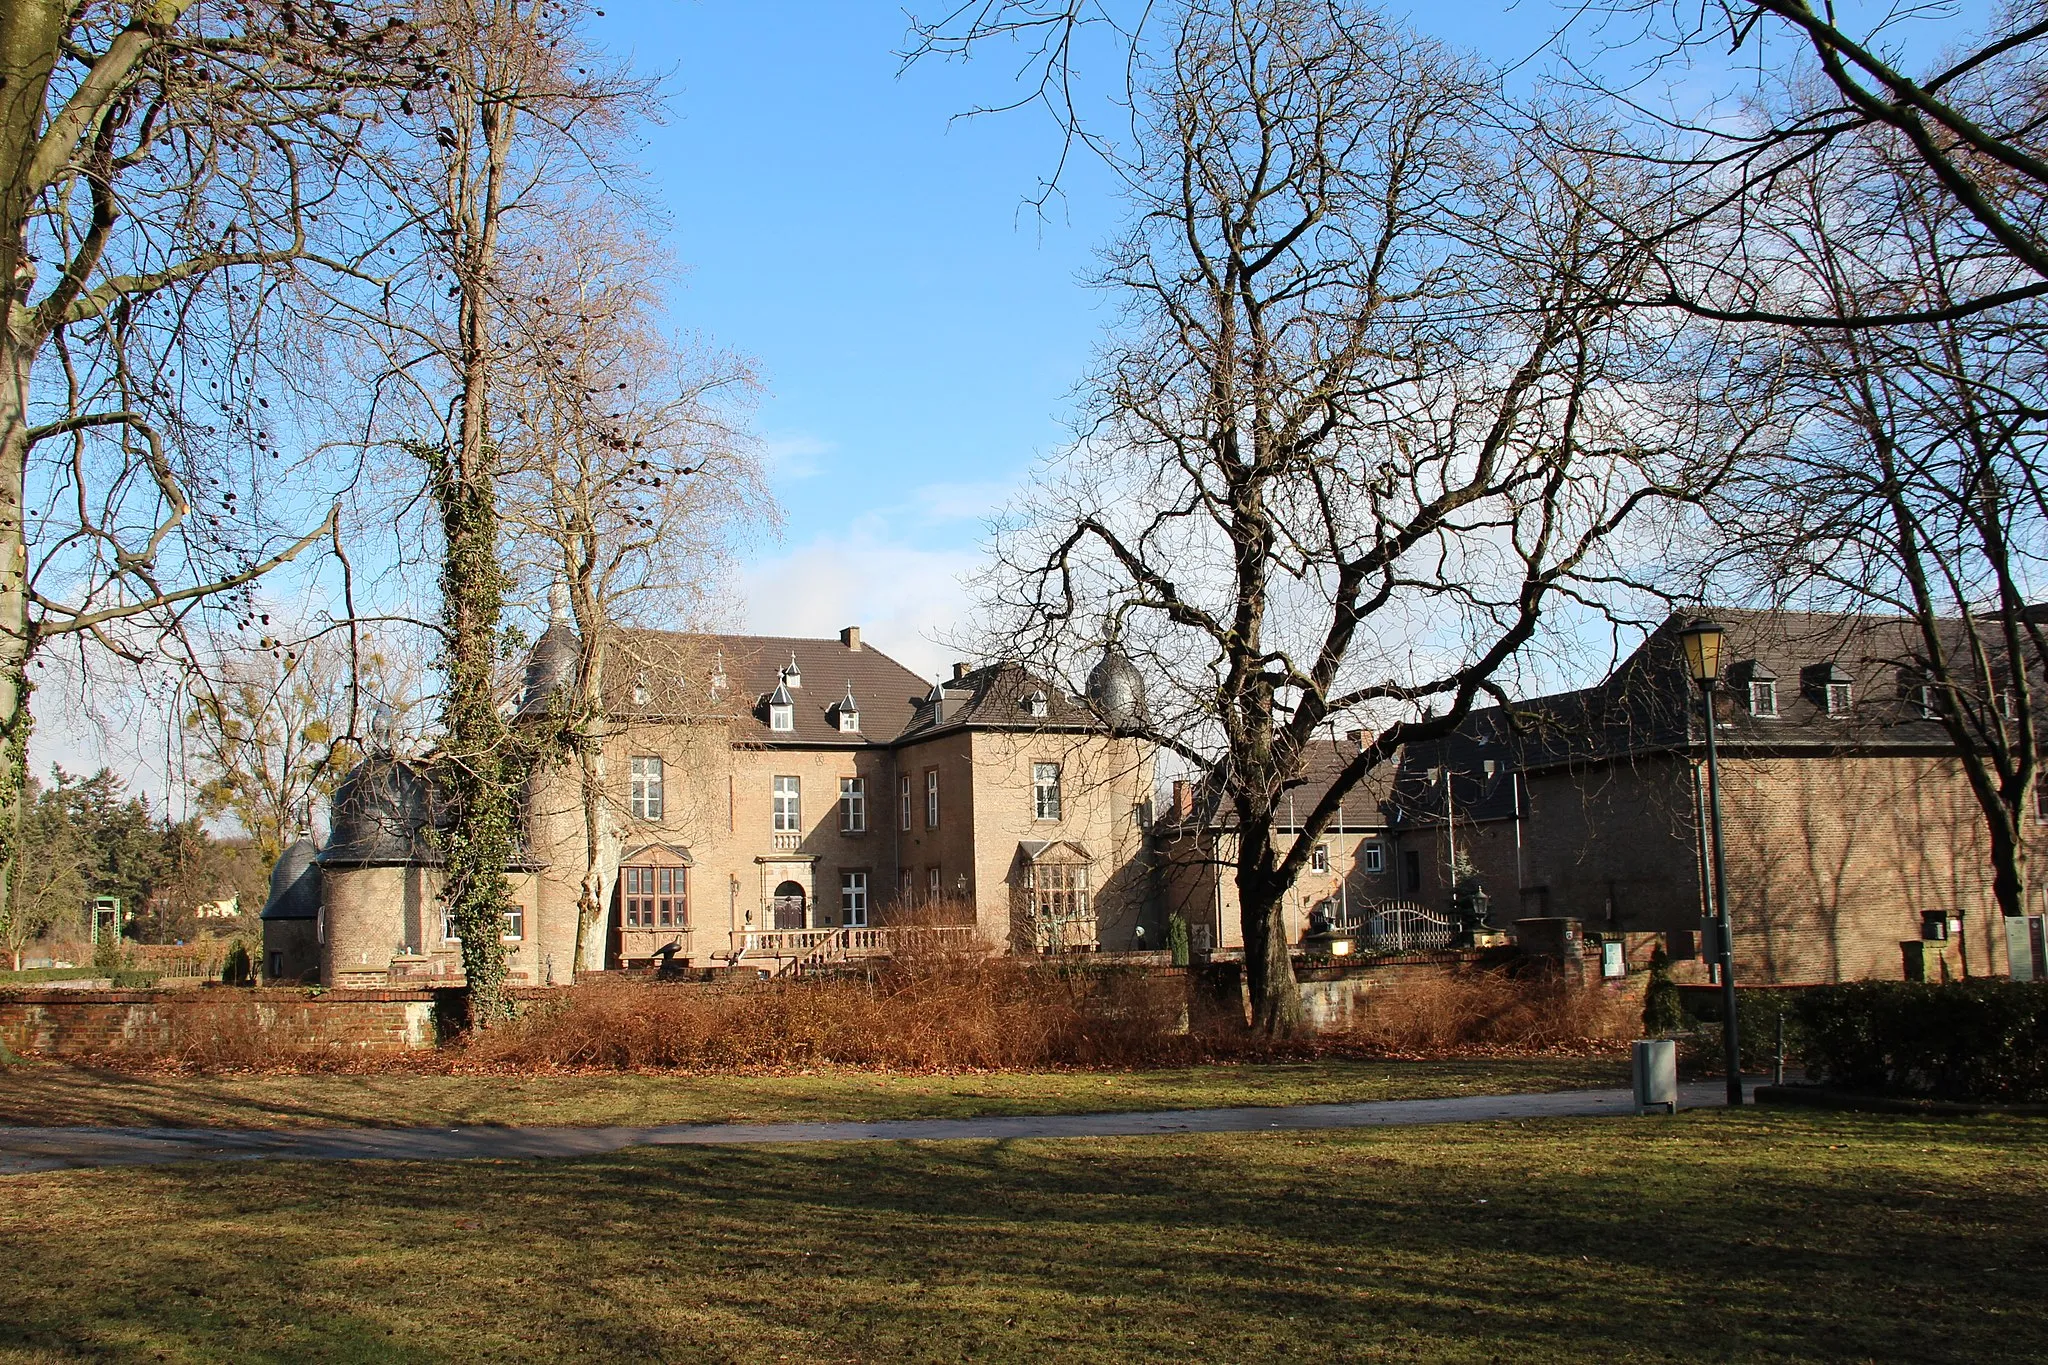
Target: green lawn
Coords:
[(1758, 1236), (58, 1094)]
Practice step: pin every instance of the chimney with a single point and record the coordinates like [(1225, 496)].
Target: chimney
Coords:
[(1183, 800), (960, 671), (850, 637)]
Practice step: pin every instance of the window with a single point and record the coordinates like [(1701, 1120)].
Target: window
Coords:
[(931, 883), (515, 924), (788, 805), (905, 784), (2008, 705), (2041, 800), (1060, 918), (1763, 699), (647, 804), (853, 899), (931, 798), (448, 934), (1045, 791), (276, 964), (1929, 701), (1375, 856), (781, 716), (1319, 858), (906, 883), (853, 804), (655, 897), (1035, 705), (1838, 699)]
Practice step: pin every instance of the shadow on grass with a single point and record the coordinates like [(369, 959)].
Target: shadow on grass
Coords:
[(1714, 1236)]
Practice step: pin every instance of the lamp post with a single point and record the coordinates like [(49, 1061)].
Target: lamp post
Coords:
[(1702, 641)]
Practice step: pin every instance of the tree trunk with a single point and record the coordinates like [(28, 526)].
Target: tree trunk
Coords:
[(1269, 970), (15, 362)]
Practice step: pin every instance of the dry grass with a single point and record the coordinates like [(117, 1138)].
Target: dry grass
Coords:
[(927, 1013), (1494, 1010)]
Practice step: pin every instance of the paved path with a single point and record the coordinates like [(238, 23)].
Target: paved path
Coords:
[(48, 1149)]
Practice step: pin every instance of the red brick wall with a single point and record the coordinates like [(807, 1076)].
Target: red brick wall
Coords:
[(217, 1025)]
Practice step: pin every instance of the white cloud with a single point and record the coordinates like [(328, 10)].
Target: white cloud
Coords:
[(941, 502), (905, 598), (796, 455)]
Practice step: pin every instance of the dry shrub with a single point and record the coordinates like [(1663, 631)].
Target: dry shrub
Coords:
[(929, 1011), (1496, 1010), (227, 1032)]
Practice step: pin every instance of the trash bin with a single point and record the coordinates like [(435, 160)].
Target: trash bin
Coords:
[(1655, 1065)]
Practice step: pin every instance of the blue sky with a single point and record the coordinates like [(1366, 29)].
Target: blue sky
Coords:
[(919, 326)]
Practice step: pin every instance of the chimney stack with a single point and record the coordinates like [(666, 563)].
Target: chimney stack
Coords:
[(1183, 800), (850, 637), (960, 671)]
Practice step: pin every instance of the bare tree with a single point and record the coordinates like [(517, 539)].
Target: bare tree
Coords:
[(1367, 417), (1837, 91), (630, 481), (272, 735), (1913, 483), (516, 112), (172, 173)]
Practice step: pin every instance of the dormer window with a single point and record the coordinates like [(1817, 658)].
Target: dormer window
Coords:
[(718, 683), (793, 676), (640, 690), (781, 710), (1757, 685), (1929, 700), (1036, 705), (848, 713), (1829, 687)]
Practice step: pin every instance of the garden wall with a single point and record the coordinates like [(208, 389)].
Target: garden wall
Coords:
[(68, 1023)]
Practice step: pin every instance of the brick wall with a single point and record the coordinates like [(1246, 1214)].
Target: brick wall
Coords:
[(214, 1024)]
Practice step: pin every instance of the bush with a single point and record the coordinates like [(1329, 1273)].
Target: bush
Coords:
[(1177, 939), (1962, 1040), (1757, 1012), (1495, 1009), (235, 969), (937, 1011), (1663, 1005)]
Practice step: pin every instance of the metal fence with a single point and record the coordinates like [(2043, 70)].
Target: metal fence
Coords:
[(1402, 927)]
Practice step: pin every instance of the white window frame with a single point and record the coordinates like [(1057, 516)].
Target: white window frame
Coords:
[(1375, 855), (853, 899), (1842, 692), (1766, 693), (853, 805), (782, 718), (904, 785), (1319, 858), (647, 780), (931, 798), (788, 805), (932, 882), (1046, 803), (515, 925)]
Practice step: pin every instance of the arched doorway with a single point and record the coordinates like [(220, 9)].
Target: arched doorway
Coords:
[(789, 906)]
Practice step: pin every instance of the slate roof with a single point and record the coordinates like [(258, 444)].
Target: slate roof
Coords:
[(668, 675), (995, 697), (1650, 703)]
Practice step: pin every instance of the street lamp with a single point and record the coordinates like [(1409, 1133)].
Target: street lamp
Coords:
[(1702, 641)]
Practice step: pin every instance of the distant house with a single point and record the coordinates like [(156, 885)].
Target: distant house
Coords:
[(231, 908)]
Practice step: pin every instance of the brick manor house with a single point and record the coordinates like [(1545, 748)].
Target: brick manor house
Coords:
[(1854, 847), (770, 802), (778, 803)]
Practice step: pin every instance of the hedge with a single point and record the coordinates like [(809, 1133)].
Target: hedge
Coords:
[(1962, 1040)]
